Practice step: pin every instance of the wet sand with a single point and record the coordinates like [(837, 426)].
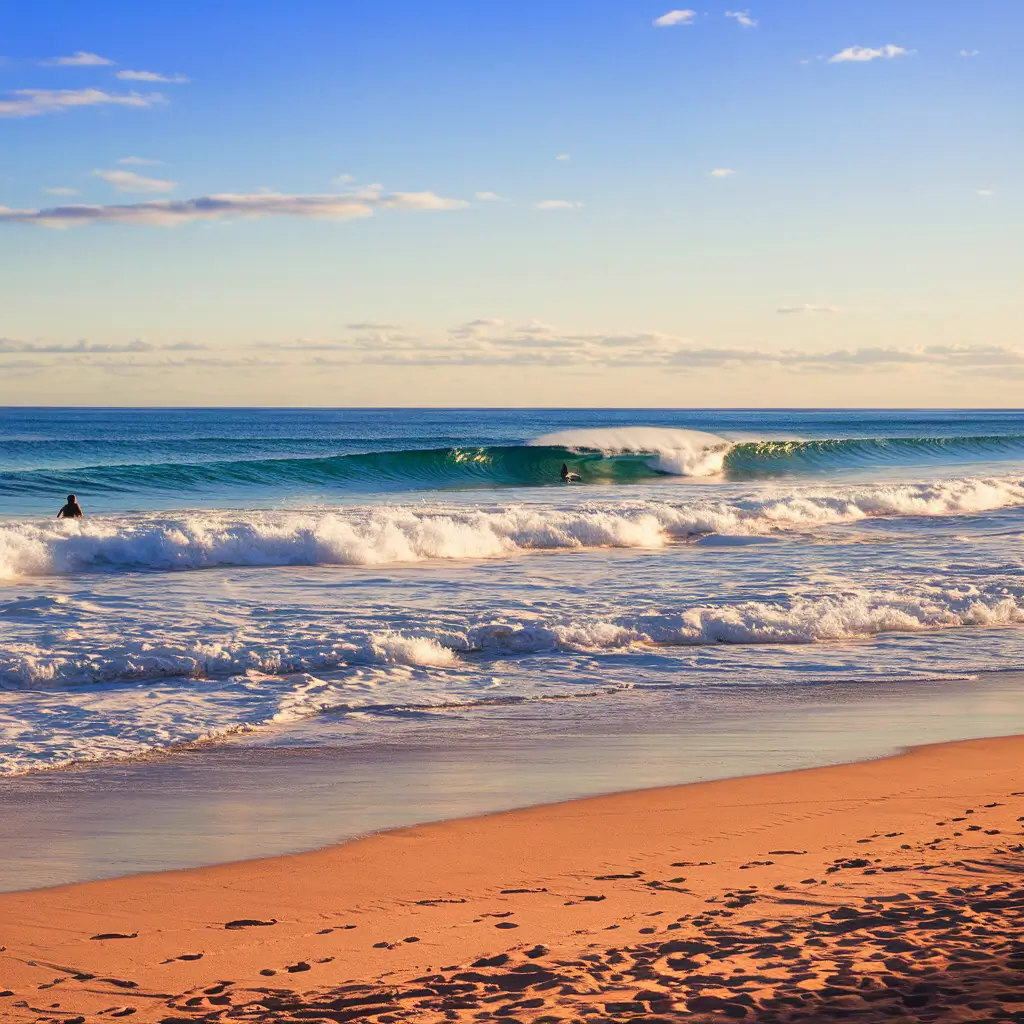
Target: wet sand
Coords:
[(884, 889), (190, 808)]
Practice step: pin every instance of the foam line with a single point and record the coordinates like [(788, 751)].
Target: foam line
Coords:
[(375, 535)]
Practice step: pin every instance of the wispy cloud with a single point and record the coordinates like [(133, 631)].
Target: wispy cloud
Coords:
[(563, 157), (742, 18), (986, 193), (8, 345), (495, 342), (678, 17), (723, 172), (61, 190), (129, 181), (488, 341), (81, 59), (490, 197), (168, 212), (859, 54), (970, 53), (84, 353), (34, 102), (343, 179), (557, 204), (152, 76), (808, 308), (138, 161)]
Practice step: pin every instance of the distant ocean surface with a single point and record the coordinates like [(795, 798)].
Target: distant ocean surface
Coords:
[(316, 576)]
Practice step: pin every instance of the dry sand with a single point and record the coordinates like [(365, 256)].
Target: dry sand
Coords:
[(886, 889)]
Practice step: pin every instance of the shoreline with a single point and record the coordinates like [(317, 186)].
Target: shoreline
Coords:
[(721, 869), (241, 802)]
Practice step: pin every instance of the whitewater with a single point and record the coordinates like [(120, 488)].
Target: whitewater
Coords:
[(282, 577)]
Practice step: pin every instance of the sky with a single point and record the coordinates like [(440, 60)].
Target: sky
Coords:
[(536, 203)]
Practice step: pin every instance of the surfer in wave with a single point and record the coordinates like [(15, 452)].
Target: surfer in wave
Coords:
[(72, 510)]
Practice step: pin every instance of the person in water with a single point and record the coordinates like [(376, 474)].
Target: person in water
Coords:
[(72, 510), (565, 471)]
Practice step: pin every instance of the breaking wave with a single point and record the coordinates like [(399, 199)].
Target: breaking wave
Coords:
[(799, 620), (380, 535), (595, 456)]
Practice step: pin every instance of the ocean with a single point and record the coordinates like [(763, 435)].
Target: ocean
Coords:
[(351, 578)]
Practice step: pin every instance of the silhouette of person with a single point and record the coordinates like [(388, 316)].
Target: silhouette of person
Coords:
[(72, 510), (565, 471)]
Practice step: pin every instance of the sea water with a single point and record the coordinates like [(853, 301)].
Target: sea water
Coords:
[(304, 577)]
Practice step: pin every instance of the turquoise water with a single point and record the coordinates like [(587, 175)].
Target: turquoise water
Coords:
[(141, 459), (306, 576)]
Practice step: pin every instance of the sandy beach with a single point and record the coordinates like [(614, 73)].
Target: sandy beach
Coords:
[(889, 888)]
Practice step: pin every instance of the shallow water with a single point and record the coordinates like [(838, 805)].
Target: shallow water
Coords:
[(237, 801)]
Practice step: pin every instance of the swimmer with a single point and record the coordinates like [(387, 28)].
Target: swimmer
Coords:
[(72, 510)]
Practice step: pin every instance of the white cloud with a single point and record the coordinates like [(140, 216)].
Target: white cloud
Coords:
[(723, 172), (742, 18), (169, 212), (490, 197), (970, 53), (808, 308), (342, 179), (684, 17), (33, 102), (152, 76), (138, 161), (129, 181), (563, 156), (986, 193), (556, 204), (865, 53), (61, 190), (81, 59)]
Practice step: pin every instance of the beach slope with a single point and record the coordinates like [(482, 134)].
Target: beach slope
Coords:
[(889, 888)]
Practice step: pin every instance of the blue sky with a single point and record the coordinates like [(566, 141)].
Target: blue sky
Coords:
[(630, 203)]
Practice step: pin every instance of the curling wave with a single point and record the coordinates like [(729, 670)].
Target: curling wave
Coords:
[(620, 455)]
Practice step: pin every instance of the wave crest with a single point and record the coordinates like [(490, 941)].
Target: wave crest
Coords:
[(621, 455), (676, 452), (374, 536)]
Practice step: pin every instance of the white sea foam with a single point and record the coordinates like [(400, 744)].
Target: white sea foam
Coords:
[(279, 650), (676, 451), (81, 693), (375, 536), (802, 621)]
